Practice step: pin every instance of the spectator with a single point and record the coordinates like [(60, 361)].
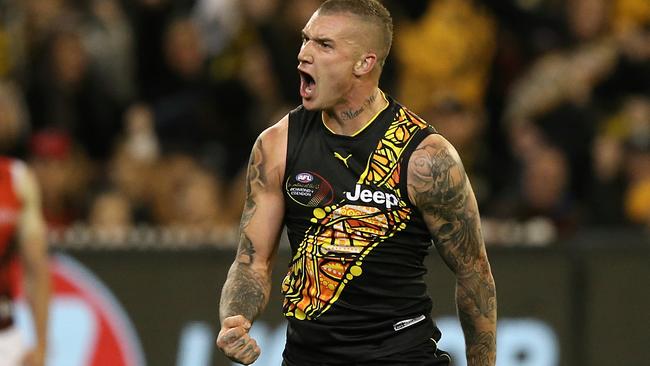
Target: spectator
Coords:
[(67, 95), (186, 195), (636, 112), (445, 53), (132, 166), (619, 150), (108, 38), (64, 175), (14, 125), (197, 116), (120, 94), (110, 217), (561, 97)]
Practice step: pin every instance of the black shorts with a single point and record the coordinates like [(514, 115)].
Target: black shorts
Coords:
[(423, 354)]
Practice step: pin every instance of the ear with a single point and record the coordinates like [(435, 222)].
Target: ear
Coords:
[(365, 64)]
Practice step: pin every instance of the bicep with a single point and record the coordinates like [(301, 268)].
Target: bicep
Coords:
[(439, 187)]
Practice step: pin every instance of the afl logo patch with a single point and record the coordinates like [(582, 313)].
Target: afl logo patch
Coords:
[(309, 189), (304, 177)]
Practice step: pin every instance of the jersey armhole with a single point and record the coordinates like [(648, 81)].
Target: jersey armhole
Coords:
[(292, 137)]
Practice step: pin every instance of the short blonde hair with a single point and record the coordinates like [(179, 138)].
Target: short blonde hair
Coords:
[(371, 11)]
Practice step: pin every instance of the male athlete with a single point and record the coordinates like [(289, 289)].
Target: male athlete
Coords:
[(22, 235), (364, 187)]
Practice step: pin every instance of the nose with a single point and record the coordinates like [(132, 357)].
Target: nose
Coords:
[(304, 56)]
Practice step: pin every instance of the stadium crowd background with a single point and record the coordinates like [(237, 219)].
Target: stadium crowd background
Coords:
[(140, 114)]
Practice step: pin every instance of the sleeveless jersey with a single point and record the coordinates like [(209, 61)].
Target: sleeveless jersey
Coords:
[(10, 206), (354, 290)]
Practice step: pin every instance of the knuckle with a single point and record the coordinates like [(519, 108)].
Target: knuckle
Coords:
[(229, 337)]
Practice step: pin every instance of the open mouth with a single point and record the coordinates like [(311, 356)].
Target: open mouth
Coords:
[(307, 84)]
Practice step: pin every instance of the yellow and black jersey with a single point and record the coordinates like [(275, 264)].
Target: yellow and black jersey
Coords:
[(354, 290)]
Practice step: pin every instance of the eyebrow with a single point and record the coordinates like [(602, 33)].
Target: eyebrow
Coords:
[(317, 39)]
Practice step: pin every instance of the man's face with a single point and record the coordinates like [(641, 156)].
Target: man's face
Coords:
[(330, 48)]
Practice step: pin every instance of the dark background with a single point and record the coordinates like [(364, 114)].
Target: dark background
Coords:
[(595, 300)]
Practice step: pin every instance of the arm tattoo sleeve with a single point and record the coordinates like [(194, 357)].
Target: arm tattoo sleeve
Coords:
[(441, 190), (246, 291)]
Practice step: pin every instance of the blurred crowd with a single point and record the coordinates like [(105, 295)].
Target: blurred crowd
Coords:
[(143, 112)]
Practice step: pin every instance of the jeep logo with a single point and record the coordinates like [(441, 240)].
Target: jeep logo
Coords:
[(378, 197)]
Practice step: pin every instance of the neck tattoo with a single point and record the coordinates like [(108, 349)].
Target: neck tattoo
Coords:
[(351, 114)]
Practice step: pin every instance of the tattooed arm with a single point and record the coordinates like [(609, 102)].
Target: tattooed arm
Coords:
[(439, 187), (247, 288)]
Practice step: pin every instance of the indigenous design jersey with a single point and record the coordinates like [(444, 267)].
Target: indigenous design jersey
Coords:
[(9, 214), (354, 289)]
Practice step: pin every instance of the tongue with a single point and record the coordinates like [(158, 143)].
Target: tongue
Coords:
[(306, 89)]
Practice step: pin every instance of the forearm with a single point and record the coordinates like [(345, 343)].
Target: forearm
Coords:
[(38, 296), (248, 286), (477, 311), (246, 292)]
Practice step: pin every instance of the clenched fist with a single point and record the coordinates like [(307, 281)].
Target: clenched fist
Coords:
[(235, 342)]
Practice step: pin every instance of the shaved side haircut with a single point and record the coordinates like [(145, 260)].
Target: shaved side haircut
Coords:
[(371, 11)]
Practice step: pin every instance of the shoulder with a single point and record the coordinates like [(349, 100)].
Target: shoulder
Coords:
[(274, 138), (437, 145), (434, 167), (277, 131), (24, 180), (270, 150)]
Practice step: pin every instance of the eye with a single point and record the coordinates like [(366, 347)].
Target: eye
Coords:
[(325, 45)]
